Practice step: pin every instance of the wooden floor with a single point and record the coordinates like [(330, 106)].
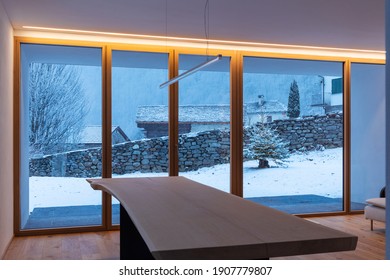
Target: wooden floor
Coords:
[(105, 245), (371, 244)]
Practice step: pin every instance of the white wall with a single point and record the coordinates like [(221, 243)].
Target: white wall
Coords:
[(6, 123), (336, 99), (368, 172)]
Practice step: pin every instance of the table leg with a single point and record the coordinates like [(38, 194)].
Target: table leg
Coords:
[(132, 245)]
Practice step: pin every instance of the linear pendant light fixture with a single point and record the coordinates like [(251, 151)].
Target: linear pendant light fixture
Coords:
[(191, 71), (202, 65)]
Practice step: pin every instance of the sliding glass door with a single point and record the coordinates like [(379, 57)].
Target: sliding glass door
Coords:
[(293, 129), (204, 122), (60, 132), (139, 116), (293, 134)]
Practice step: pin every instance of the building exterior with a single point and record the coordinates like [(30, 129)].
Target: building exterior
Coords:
[(153, 120), (264, 110), (336, 97), (91, 136)]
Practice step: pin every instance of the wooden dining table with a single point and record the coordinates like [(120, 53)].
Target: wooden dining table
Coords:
[(178, 218)]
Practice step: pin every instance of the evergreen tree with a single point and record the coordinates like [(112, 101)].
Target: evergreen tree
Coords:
[(265, 145), (293, 108)]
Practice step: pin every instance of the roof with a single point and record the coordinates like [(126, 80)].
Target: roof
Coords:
[(268, 107), (92, 134), (216, 113), (187, 113)]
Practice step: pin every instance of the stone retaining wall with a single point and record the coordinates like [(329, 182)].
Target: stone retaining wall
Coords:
[(310, 132), (203, 149)]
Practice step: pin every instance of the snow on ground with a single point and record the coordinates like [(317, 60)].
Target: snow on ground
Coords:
[(318, 172)]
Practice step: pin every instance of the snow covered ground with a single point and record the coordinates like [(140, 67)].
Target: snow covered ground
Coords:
[(318, 172)]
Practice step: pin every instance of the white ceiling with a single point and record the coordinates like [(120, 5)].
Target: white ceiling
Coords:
[(358, 24)]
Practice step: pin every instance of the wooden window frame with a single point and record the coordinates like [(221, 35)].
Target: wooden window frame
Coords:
[(236, 124)]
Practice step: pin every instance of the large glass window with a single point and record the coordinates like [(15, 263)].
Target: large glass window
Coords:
[(204, 122), (292, 141), (60, 131), (368, 173), (139, 116), (293, 134)]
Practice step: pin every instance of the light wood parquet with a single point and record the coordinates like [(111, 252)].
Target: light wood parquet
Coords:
[(105, 245)]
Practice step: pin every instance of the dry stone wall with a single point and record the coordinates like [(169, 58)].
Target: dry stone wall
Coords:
[(311, 132), (203, 149)]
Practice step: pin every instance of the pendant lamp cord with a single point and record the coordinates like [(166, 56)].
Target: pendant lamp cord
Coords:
[(206, 19), (166, 25)]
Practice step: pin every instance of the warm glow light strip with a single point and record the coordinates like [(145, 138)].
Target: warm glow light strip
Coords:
[(191, 71), (184, 39)]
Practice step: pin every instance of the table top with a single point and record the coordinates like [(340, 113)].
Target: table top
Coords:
[(182, 219)]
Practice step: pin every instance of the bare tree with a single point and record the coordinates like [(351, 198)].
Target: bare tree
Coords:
[(57, 106)]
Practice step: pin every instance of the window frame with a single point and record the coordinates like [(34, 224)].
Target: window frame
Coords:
[(236, 123)]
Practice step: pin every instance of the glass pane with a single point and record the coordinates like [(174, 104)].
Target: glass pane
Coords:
[(368, 173), (204, 122), (293, 134), (139, 116), (60, 136)]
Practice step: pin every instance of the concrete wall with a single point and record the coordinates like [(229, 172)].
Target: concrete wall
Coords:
[(6, 123)]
